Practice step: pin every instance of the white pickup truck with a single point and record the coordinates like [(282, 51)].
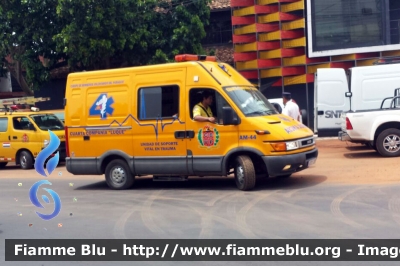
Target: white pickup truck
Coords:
[(379, 128)]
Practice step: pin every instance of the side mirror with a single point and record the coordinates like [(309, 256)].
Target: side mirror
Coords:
[(229, 116), (277, 107), (32, 127), (348, 94)]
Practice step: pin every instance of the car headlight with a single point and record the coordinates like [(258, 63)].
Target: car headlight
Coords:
[(46, 142), (285, 146), (292, 145)]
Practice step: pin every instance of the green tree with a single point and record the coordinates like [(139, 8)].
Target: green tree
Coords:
[(106, 34), (26, 31), (90, 35)]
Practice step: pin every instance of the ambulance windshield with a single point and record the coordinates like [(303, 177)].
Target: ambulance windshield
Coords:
[(48, 122), (250, 101)]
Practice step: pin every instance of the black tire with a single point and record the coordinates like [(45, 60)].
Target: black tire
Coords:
[(285, 176), (3, 165), (245, 175), (118, 175), (25, 160), (388, 143)]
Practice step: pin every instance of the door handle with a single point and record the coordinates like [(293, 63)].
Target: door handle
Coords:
[(180, 134), (9, 138), (189, 134), (15, 137), (320, 112)]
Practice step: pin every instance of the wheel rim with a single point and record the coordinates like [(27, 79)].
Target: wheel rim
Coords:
[(23, 161), (392, 143), (240, 174), (118, 175)]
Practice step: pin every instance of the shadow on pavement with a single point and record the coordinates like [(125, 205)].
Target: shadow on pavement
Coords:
[(359, 148), (360, 155), (217, 183)]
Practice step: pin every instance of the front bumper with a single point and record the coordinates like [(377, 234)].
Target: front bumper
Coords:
[(343, 136), (289, 164)]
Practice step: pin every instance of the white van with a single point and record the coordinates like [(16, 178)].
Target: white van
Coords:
[(363, 88)]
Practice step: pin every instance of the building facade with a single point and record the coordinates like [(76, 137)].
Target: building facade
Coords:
[(279, 44)]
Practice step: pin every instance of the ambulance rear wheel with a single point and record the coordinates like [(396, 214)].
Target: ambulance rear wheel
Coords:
[(118, 175), (3, 165), (245, 174), (26, 160)]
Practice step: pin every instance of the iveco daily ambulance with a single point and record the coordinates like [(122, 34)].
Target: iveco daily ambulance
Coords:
[(138, 121)]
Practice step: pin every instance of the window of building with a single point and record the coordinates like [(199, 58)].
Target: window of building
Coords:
[(158, 102), (394, 16), (3, 124), (347, 24), (219, 30)]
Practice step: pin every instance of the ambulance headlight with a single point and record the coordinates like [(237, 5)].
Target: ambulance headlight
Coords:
[(292, 145)]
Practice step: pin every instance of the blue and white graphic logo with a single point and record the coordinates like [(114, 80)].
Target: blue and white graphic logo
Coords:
[(45, 153), (102, 106), (51, 164), (35, 201)]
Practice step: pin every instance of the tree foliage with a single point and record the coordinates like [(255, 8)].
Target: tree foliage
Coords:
[(26, 31), (97, 34)]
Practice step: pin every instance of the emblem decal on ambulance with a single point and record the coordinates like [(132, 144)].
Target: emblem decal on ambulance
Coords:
[(102, 106), (208, 137)]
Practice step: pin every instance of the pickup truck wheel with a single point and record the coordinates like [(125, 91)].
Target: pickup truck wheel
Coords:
[(388, 143), (245, 174), (26, 160), (118, 175), (3, 165)]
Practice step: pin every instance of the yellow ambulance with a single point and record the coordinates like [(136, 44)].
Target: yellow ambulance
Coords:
[(138, 121), (24, 134)]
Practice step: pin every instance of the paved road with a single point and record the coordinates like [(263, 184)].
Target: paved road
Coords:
[(314, 204)]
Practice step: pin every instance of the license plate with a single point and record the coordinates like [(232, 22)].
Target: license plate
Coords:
[(311, 162)]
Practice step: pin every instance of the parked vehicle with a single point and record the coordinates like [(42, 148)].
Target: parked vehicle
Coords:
[(138, 121), (378, 128), (363, 88), (24, 134)]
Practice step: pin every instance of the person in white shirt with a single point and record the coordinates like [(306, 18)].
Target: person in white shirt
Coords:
[(291, 108)]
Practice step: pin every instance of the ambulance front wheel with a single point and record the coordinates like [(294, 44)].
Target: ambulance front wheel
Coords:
[(118, 175), (245, 174)]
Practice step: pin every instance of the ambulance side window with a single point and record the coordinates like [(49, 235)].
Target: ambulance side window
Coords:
[(221, 103), (216, 107), (3, 124), (158, 102)]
